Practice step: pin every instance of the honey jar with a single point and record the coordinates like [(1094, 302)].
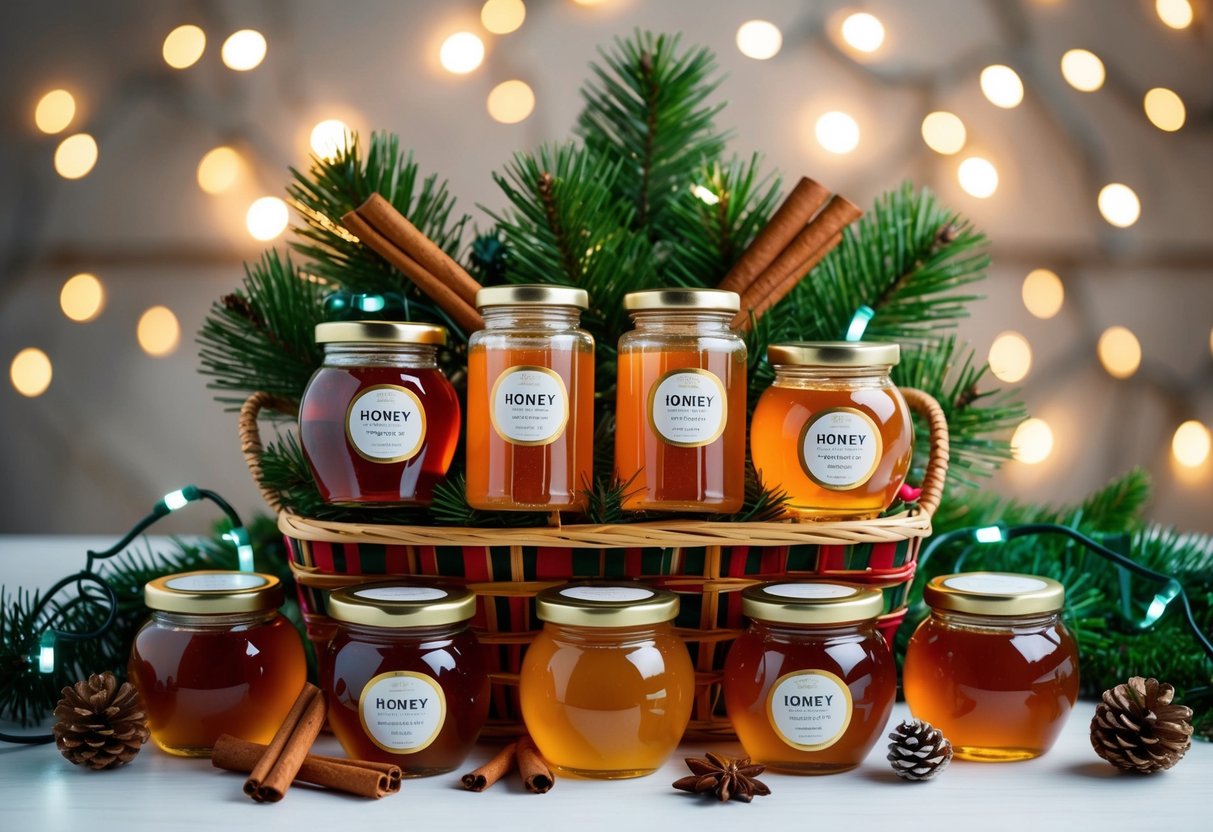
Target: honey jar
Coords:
[(379, 421), (530, 400), (832, 430), (681, 403), (993, 667), (216, 657), (607, 687), (405, 677), (810, 684)]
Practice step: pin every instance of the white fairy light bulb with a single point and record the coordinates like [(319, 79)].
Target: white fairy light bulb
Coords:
[(1002, 86), (759, 39)]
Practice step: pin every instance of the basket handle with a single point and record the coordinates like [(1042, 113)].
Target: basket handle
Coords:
[(250, 440), (937, 460)]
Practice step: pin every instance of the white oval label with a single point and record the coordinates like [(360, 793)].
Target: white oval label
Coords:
[(995, 584), (402, 712), (222, 582), (810, 591), (386, 423), (401, 593), (529, 405), (688, 408), (607, 593), (840, 448), (809, 709)]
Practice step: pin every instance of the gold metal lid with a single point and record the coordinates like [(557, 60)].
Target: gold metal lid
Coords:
[(811, 602), (672, 300), (397, 605), (532, 294), (381, 332), (835, 353), (214, 592), (606, 604), (994, 593)]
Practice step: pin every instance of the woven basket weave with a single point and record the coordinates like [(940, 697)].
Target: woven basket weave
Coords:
[(706, 563)]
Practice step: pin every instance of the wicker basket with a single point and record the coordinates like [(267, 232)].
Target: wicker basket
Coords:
[(706, 563)]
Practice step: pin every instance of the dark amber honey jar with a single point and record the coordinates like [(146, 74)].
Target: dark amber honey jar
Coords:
[(405, 677), (215, 658), (809, 686)]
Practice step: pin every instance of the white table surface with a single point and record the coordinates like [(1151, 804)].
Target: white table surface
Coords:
[(1067, 789)]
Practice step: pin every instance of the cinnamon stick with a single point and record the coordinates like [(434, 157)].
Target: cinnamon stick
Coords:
[(408, 238), (460, 311), (492, 771), (280, 762), (536, 775), (364, 778), (787, 221), (762, 305)]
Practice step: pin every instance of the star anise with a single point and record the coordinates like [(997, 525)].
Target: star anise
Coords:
[(725, 778)]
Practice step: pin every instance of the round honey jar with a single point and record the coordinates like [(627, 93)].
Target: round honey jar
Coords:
[(215, 657), (832, 430), (993, 667), (810, 684), (607, 687), (405, 677)]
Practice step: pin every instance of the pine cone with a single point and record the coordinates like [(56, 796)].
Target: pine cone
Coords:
[(1137, 728), (101, 725), (919, 750)]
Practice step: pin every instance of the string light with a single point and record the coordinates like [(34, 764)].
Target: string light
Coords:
[(1175, 13), (55, 111), (1043, 293), (244, 50), (1119, 351), (837, 132), (1119, 205), (1001, 86), (978, 177), (461, 53), (1010, 357), (1083, 70), (511, 102), (183, 46), (31, 372), (330, 138), (944, 132), (1191, 444), (1032, 442), (82, 297), (158, 331), (502, 16), (1165, 109), (76, 156), (267, 217), (759, 39), (219, 170), (863, 31)]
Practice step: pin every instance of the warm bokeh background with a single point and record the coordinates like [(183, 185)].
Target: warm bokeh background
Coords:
[(117, 427)]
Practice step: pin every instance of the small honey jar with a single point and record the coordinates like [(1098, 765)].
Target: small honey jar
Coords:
[(993, 667), (680, 405), (809, 686), (530, 400), (832, 430), (379, 420), (216, 657), (405, 677), (607, 687)]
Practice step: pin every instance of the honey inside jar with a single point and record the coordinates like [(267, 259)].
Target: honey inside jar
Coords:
[(993, 667)]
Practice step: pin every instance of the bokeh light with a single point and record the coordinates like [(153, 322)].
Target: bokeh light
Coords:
[(329, 138), (944, 132), (219, 170), (31, 372), (183, 46), (502, 16), (1165, 109), (461, 53), (55, 111), (158, 331), (837, 132), (267, 217), (511, 102), (1032, 442), (75, 156), (1119, 351), (82, 297), (1175, 13), (863, 31), (1191, 443), (978, 177), (1119, 205), (1001, 86), (1043, 293), (759, 39), (1083, 70), (1010, 357), (244, 50)]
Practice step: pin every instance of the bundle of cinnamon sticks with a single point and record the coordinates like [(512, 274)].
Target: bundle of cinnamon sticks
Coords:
[(796, 238), (523, 754)]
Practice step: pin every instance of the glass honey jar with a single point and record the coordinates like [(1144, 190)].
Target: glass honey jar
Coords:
[(405, 677), (993, 667), (680, 405), (530, 400), (607, 687), (832, 430), (379, 420), (809, 686), (216, 657)]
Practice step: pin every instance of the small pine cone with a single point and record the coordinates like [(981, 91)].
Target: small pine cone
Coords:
[(1137, 728), (919, 750), (101, 724)]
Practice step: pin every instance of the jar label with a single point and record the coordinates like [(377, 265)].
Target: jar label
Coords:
[(995, 584), (688, 408), (402, 712), (607, 593), (216, 582), (810, 709), (529, 405), (386, 423), (401, 593), (840, 448), (810, 591)]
